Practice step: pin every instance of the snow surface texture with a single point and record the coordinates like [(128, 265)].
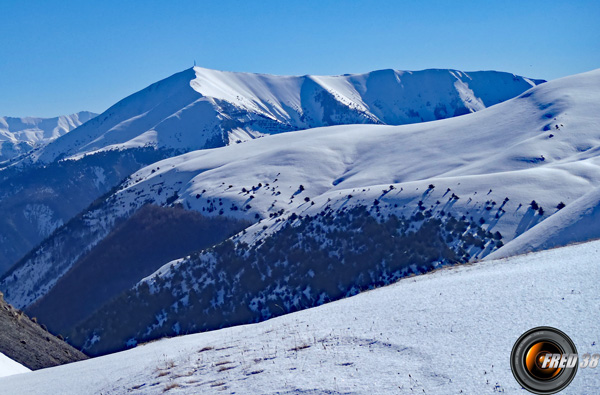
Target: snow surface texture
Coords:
[(19, 135), (8, 367), (201, 108), (542, 146), (447, 332)]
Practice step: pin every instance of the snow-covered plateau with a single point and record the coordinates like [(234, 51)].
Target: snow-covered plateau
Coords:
[(447, 332)]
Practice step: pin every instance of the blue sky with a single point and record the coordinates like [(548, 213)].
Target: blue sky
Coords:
[(59, 57)]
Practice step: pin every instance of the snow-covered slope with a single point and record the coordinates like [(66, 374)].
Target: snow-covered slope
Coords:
[(447, 332), (542, 146), (579, 222), (19, 135), (8, 367), (201, 108), (487, 166)]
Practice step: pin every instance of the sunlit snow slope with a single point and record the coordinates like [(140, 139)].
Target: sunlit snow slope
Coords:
[(8, 367), (446, 332), (580, 221)]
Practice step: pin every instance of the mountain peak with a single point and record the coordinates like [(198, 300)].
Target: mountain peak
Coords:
[(203, 108)]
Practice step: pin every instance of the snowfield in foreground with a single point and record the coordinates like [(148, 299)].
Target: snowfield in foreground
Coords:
[(447, 332), (8, 367)]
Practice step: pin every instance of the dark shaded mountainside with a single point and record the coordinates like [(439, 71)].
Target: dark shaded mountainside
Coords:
[(37, 200), (134, 249), (310, 261), (29, 343)]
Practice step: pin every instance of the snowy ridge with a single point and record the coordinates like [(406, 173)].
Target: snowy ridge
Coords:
[(19, 135), (391, 336), (201, 108)]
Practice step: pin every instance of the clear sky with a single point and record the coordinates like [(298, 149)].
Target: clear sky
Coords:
[(60, 57)]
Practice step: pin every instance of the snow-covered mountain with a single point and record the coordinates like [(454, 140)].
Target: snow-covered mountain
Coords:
[(20, 135), (543, 145), (202, 108), (505, 169), (469, 316)]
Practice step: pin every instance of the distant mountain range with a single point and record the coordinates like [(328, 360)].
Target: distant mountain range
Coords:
[(20, 135)]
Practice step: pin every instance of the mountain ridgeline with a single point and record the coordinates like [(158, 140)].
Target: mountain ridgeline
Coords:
[(201, 108)]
